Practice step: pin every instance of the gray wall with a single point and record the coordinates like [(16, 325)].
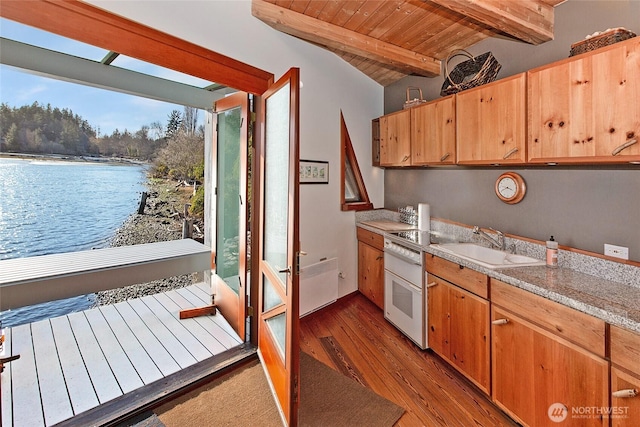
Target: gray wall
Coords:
[(583, 207)]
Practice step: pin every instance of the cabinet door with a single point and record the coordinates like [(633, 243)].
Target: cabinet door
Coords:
[(586, 109), (433, 133), (438, 316), (491, 123), (625, 411), (533, 369), (469, 336), (395, 143), (371, 273)]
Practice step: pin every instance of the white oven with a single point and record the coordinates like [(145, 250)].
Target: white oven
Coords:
[(404, 298)]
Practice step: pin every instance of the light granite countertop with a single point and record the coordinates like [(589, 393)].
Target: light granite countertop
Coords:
[(615, 301)]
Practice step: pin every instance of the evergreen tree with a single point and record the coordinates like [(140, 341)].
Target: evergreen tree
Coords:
[(173, 126)]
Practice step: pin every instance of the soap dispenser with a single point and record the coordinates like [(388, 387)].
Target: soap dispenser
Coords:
[(552, 253)]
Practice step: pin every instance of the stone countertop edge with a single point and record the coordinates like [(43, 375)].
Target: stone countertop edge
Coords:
[(604, 299), (530, 279)]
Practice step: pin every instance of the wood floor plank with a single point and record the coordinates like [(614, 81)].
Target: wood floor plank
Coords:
[(5, 383), (53, 390), (136, 353), (79, 386), (104, 382), (432, 393), (177, 328), (156, 350), (27, 407), (195, 328), (175, 348), (123, 370)]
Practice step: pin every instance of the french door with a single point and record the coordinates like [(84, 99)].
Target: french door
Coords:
[(231, 208), (278, 246)]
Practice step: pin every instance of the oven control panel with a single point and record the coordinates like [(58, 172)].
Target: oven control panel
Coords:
[(412, 254)]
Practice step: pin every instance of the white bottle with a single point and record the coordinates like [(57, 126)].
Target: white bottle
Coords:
[(552, 253)]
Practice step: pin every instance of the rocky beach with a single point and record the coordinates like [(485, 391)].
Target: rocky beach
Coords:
[(161, 220)]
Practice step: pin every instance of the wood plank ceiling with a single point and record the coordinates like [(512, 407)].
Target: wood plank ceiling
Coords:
[(390, 39)]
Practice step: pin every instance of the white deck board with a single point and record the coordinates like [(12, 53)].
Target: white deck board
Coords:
[(156, 349), (53, 389), (177, 328), (104, 382), (229, 335), (79, 386), (194, 325), (135, 351), (122, 368), (72, 363), (175, 348), (27, 410), (200, 291), (5, 383)]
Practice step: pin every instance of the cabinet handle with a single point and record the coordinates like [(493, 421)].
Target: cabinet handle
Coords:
[(510, 152), (500, 322), (432, 284), (627, 144), (405, 158), (631, 392), (379, 257), (443, 158)]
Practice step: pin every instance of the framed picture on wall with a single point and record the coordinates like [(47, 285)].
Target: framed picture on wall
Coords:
[(314, 172)]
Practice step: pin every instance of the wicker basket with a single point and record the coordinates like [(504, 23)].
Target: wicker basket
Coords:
[(415, 101), (473, 72), (603, 39)]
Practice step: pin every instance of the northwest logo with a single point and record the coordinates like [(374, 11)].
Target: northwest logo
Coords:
[(557, 412)]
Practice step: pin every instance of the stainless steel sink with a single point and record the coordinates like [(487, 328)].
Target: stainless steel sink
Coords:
[(487, 257)]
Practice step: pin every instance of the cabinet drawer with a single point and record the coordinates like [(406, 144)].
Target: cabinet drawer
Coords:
[(370, 238), (627, 408), (625, 349), (579, 328), (461, 276)]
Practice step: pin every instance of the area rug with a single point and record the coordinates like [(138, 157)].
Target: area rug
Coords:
[(327, 398)]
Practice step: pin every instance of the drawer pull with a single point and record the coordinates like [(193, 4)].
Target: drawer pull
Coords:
[(627, 144), (432, 284), (510, 152), (631, 392), (379, 258), (500, 322), (443, 158), (405, 158)]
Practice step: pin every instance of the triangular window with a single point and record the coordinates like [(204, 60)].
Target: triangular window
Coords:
[(353, 194)]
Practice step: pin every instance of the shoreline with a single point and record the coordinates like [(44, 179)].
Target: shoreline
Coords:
[(73, 159), (161, 221)]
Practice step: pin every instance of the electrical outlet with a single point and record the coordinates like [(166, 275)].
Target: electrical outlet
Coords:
[(616, 251)]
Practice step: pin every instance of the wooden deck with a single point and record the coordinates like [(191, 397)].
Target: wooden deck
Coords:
[(74, 363)]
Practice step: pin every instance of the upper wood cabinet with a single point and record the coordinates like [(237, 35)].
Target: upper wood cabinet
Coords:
[(491, 123), (395, 142), (433, 133), (587, 109)]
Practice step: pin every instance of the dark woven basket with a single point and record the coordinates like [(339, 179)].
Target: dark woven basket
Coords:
[(476, 71), (603, 39)]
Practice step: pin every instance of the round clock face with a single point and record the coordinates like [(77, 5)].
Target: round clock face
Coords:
[(507, 187), (510, 187)]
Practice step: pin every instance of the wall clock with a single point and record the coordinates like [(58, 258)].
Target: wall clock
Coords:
[(510, 187)]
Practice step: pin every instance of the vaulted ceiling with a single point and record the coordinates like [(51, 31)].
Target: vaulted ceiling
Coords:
[(388, 40)]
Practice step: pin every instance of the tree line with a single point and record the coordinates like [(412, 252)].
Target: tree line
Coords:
[(176, 148)]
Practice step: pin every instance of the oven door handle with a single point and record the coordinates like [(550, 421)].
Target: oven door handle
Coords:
[(404, 258)]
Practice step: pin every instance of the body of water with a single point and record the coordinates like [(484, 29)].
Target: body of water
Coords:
[(51, 207)]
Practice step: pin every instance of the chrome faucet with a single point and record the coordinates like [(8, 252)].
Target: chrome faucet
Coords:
[(497, 242)]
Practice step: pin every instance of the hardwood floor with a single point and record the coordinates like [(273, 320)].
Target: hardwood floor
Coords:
[(353, 337)]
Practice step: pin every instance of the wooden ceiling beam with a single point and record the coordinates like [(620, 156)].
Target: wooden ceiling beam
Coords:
[(528, 20), (340, 39)]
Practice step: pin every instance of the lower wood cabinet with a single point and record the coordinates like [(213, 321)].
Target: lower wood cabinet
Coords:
[(458, 320), (539, 378), (371, 266), (625, 377)]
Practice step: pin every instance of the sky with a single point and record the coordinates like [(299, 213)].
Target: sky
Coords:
[(105, 110)]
